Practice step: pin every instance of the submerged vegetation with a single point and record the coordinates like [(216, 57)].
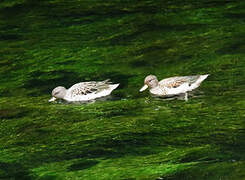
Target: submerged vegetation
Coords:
[(130, 135)]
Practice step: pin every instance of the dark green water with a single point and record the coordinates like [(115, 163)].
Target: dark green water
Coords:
[(44, 44)]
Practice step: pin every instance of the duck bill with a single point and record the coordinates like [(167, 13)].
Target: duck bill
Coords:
[(52, 99), (143, 88)]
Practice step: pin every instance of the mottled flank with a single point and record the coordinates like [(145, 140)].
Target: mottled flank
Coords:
[(128, 135)]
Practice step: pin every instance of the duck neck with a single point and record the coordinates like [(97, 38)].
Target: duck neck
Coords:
[(153, 84)]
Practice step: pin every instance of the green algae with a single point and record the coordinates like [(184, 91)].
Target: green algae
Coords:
[(129, 135)]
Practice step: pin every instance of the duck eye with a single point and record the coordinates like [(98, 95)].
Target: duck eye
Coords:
[(56, 93)]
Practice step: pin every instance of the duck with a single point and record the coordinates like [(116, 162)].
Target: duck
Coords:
[(172, 86), (84, 91)]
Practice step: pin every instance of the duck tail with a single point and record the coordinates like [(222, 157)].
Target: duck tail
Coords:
[(202, 78), (199, 81), (114, 86)]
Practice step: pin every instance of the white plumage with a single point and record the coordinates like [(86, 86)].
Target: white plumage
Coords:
[(84, 91)]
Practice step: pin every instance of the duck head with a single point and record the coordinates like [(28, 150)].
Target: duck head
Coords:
[(150, 81), (58, 93)]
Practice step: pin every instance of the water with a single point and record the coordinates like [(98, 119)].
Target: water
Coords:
[(130, 135)]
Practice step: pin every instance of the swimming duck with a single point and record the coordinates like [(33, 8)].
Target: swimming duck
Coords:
[(172, 86), (84, 91)]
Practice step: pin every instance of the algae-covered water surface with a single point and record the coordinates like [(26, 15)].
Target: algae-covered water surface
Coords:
[(129, 135)]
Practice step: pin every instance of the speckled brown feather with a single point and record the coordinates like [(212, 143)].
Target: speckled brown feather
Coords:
[(85, 88), (175, 82)]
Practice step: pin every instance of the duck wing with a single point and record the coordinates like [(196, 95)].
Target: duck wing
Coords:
[(174, 82), (85, 88)]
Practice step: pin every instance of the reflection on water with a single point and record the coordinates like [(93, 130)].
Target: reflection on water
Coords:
[(101, 99), (128, 135)]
